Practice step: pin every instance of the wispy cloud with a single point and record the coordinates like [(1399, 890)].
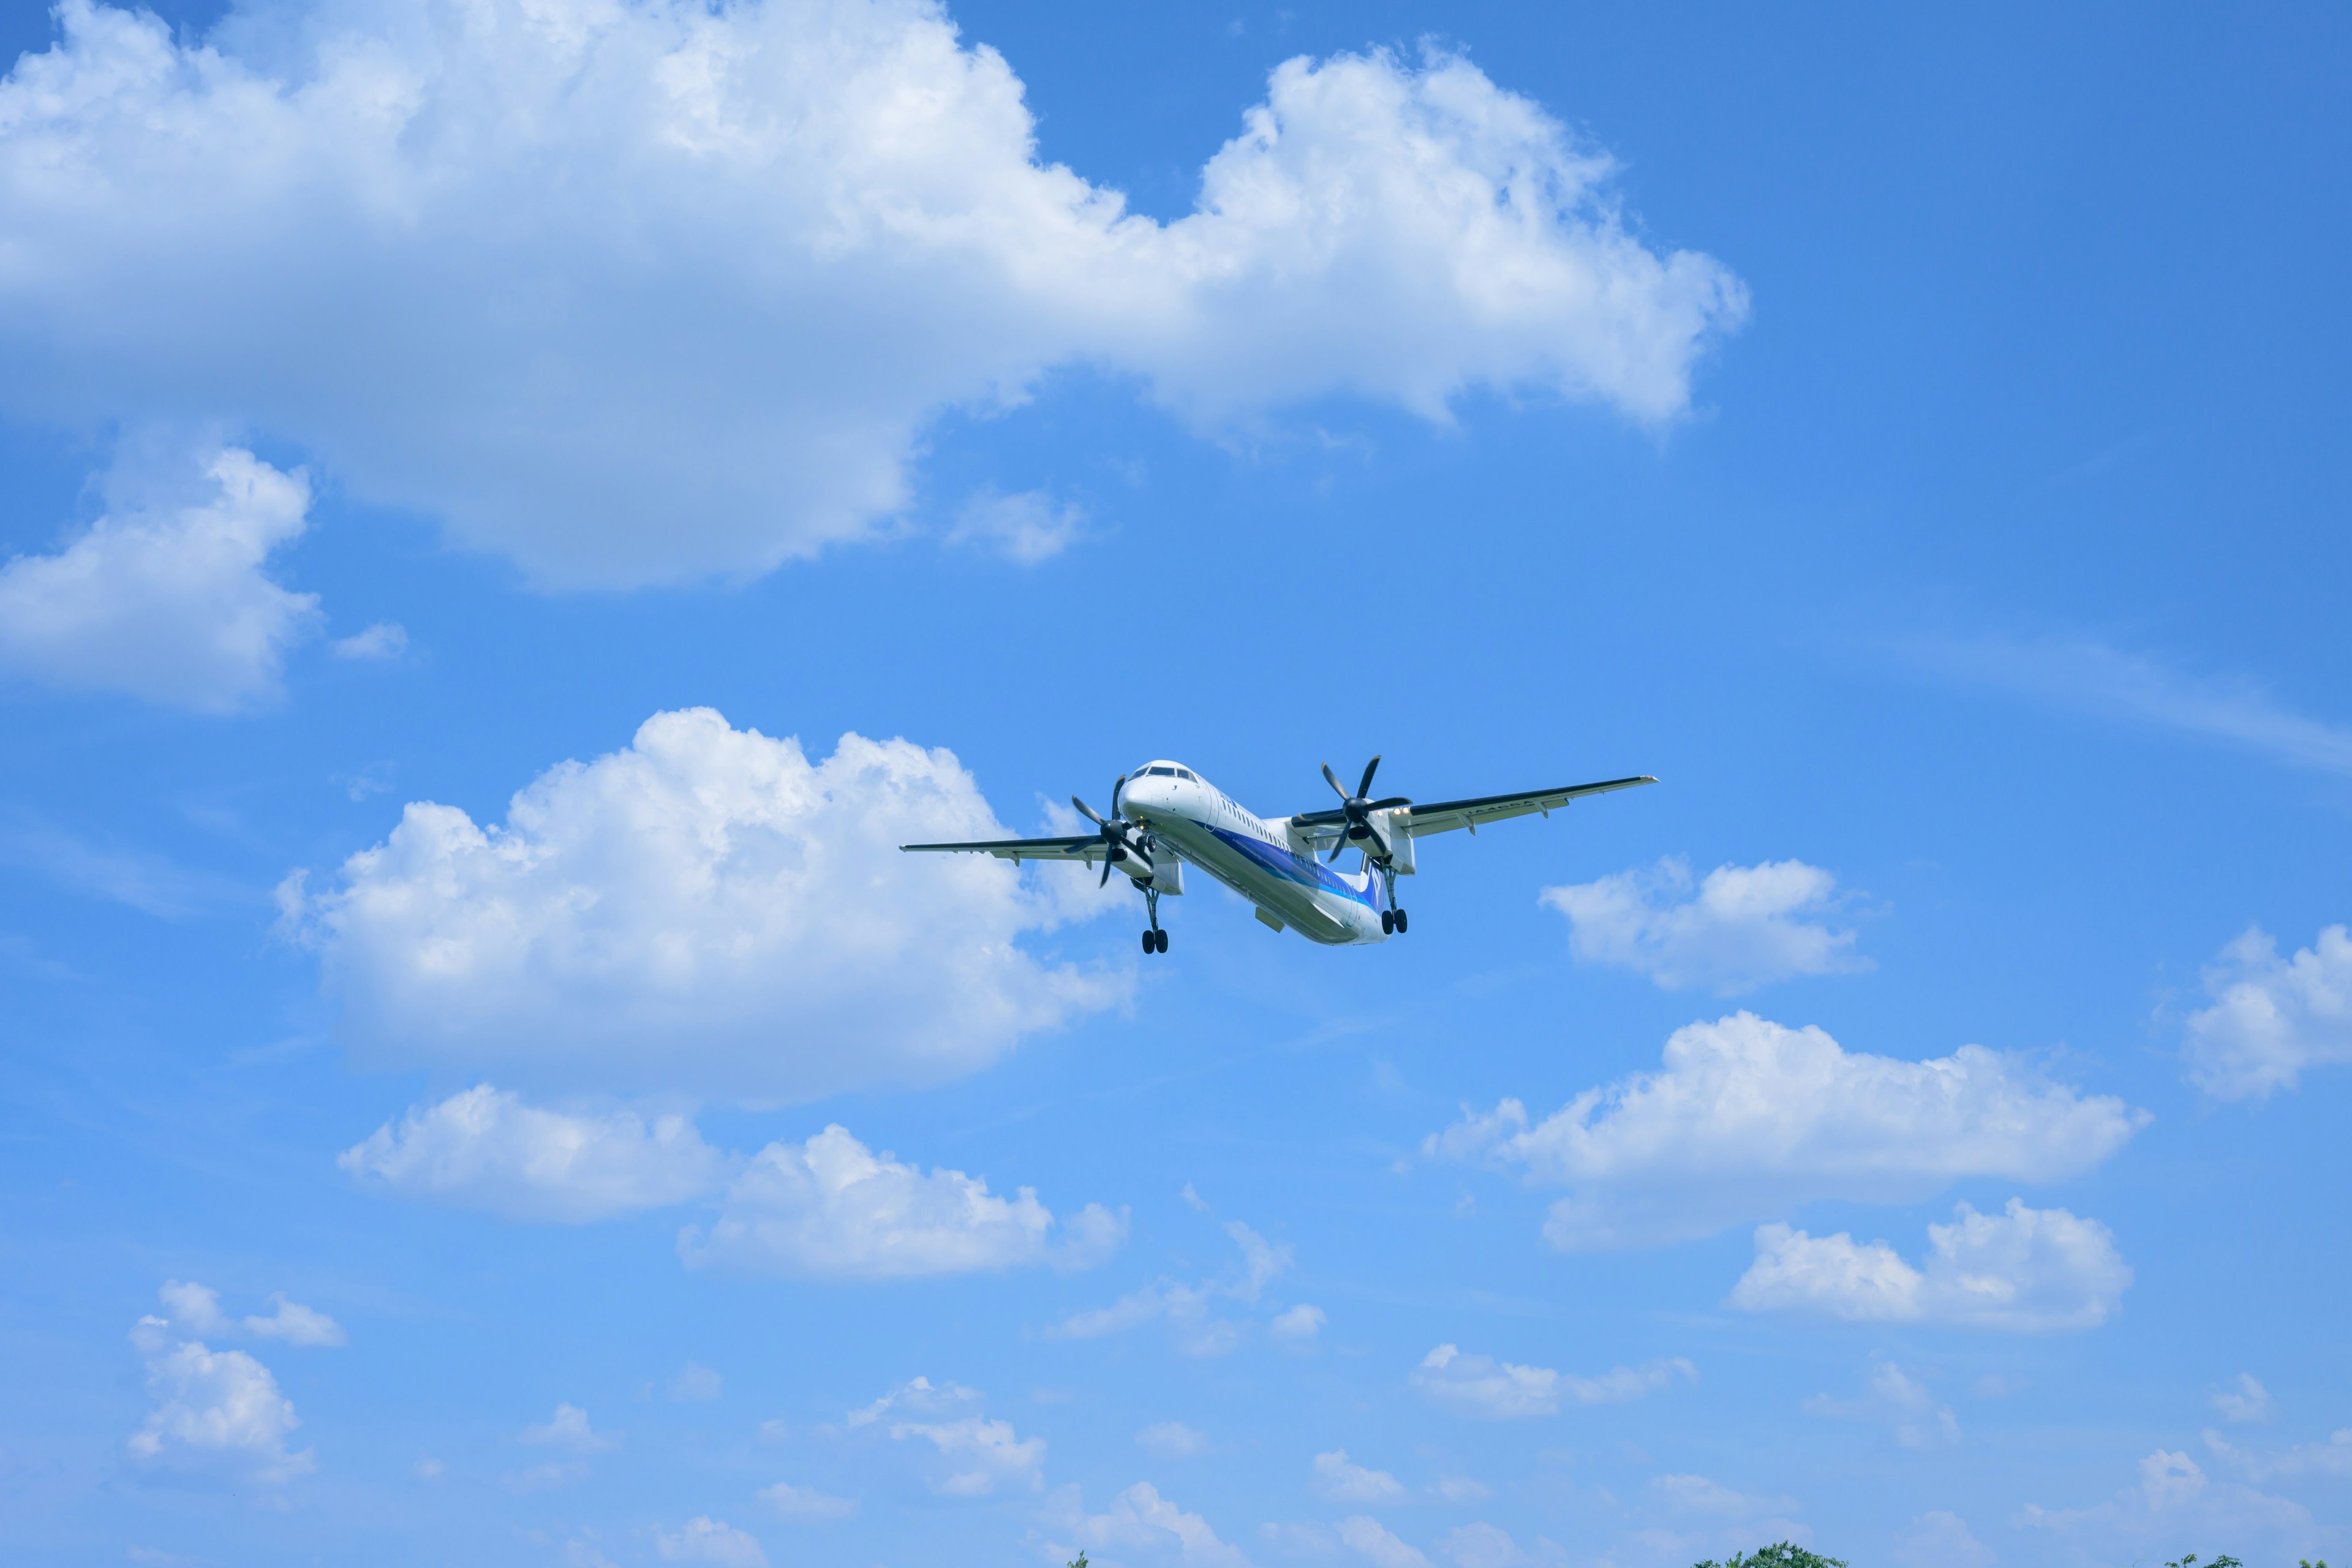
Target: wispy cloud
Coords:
[(148, 883), (2086, 674)]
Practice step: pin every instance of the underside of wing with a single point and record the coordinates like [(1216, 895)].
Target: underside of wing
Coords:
[(1087, 847), (1322, 828), (1444, 815)]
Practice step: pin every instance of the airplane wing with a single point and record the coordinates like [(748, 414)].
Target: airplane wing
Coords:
[(1086, 847), (1444, 815)]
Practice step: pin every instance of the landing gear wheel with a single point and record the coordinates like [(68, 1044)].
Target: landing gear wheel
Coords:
[(1149, 945), (1163, 940), (1388, 923), (1400, 923)]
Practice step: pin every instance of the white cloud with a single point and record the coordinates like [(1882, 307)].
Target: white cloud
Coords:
[(568, 1429), (807, 1502), (706, 1539), (1172, 1440), (1139, 1519), (2332, 1458), (982, 1453), (1024, 529), (384, 640), (1740, 930), (485, 1149), (1749, 1118), (1942, 1538), (1299, 1328), (2246, 1400), (786, 237), (1187, 1308), (705, 912), (218, 1414), (1369, 1538), (694, 1385), (195, 1310), (1483, 1545), (833, 1208), (2271, 1018), (2175, 1499), (1460, 1489), (2024, 1271), (171, 603), (1498, 1391), (296, 1324), (2084, 674), (1338, 1479), (1698, 1494), (1895, 1399)]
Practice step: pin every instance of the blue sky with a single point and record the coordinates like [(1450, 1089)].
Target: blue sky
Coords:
[(513, 510)]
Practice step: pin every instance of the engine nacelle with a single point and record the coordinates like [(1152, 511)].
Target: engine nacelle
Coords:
[(1165, 875), (1390, 824)]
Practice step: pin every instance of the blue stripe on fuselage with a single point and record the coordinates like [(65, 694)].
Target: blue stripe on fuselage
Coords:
[(1304, 869)]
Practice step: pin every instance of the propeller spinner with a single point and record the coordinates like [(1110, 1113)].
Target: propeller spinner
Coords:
[(1358, 809)]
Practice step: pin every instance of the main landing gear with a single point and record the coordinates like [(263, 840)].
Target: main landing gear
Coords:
[(1155, 939), (1391, 917)]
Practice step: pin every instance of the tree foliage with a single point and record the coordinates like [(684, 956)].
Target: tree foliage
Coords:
[(1783, 1555)]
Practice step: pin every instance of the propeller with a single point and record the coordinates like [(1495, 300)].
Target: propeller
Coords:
[(1117, 845), (1358, 809)]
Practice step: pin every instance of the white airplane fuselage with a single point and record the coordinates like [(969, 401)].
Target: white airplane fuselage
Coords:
[(1255, 857)]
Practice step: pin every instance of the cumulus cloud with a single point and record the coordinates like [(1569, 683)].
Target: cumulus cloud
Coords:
[(1189, 1309), (2174, 1497), (705, 912), (2022, 1271), (1297, 1329), (1337, 1479), (569, 1430), (1941, 1539), (707, 1539), (2270, 1019), (195, 1310), (1369, 1538), (1749, 1118), (977, 1455), (1024, 529), (1482, 1545), (485, 1149), (1139, 1519), (2332, 1458), (833, 1208), (1742, 927), (168, 603), (218, 1415), (634, 291), (1499, 1391), (1896, 1400)]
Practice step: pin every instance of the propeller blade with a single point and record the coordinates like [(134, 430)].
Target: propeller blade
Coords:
[(1086, 811), (1106, 875), (1333, 779), (1365, 788), (1336, 848)]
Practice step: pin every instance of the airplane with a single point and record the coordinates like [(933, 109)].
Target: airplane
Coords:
[(1163, 814)]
